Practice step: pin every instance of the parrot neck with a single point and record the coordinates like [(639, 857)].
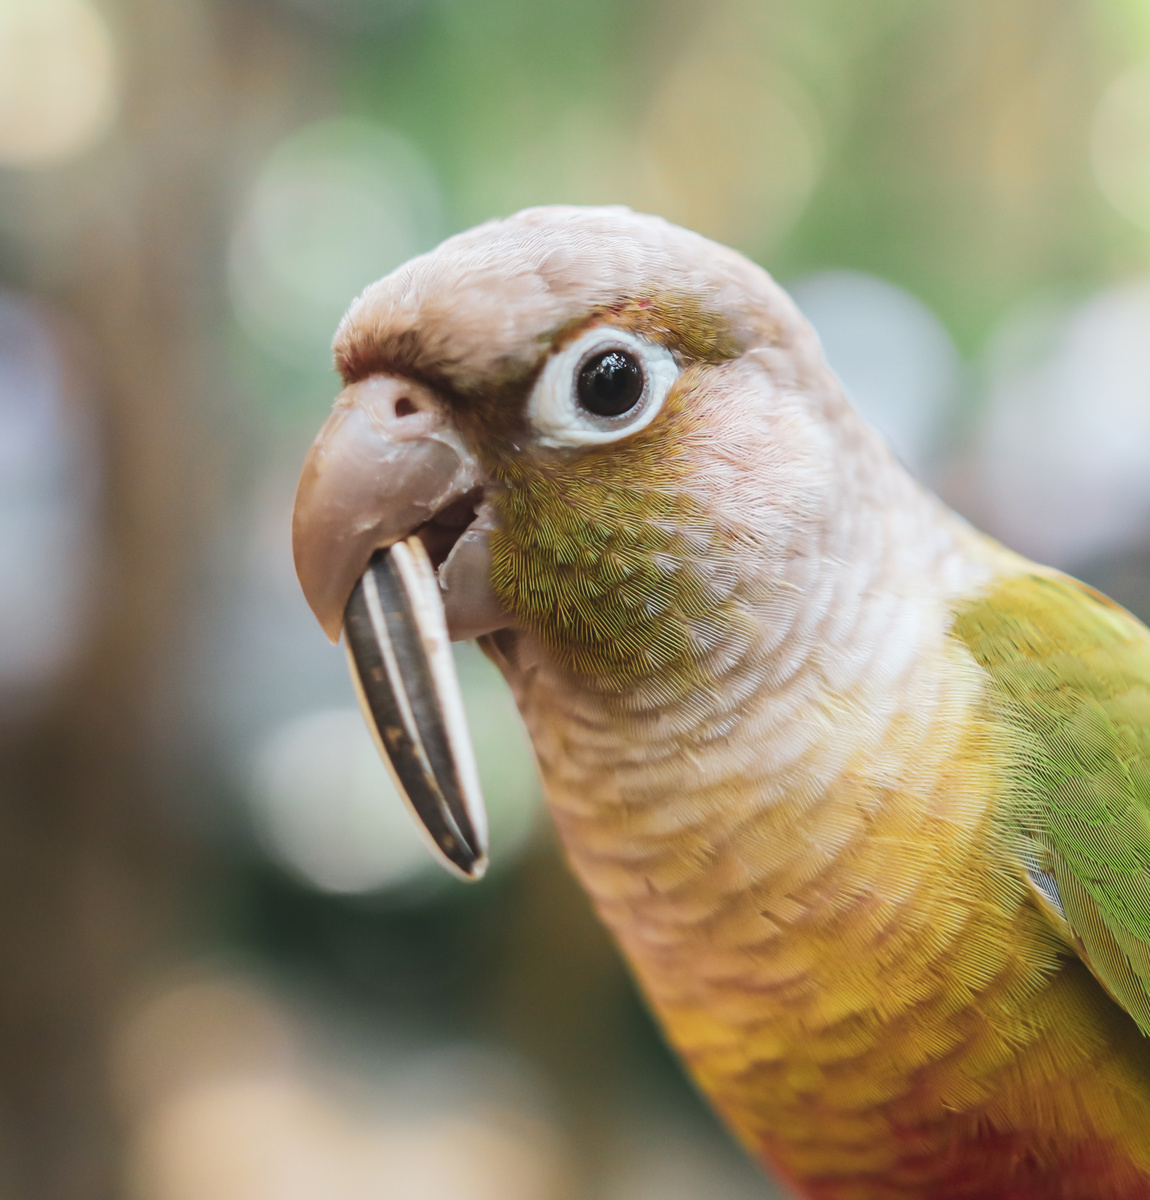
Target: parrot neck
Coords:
[(790, 855), (826, 680), (830, 684)]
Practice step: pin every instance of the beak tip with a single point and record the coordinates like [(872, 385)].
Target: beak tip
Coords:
[(325, 610), (314, 578), (471, 872)]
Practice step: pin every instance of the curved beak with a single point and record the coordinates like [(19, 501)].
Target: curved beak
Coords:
[(390, 493)]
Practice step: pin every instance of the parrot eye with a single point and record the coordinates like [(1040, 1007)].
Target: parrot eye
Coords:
[(605, 384), (610, 384)]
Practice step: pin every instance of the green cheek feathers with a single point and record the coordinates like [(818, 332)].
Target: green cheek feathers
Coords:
[(608, 576), (611, 561)]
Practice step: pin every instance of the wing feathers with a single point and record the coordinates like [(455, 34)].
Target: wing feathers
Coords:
[(1070, 676)]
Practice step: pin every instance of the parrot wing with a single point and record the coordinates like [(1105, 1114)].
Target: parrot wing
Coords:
[(1070, 673)]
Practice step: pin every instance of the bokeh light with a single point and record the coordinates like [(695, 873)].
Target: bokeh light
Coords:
[(58, 80), (236, 1094), (326, 808), (894, 356), (1063, 462), (584, 156), (336, 205), (255, 658), (664, 1157), (47, 487), (275, 1138), (733, 149), (1120, 144), (195, 1022)]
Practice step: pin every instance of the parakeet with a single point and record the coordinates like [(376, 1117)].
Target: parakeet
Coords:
[(863, 796)]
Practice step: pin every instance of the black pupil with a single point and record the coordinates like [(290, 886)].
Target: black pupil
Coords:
[(610, 384)]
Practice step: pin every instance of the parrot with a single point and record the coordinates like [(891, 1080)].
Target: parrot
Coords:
[(862, 795)]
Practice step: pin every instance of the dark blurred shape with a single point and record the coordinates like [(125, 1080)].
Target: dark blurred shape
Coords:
[(88, 873)]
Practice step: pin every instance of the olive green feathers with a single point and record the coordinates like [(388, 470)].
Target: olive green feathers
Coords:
[(1071, 675)]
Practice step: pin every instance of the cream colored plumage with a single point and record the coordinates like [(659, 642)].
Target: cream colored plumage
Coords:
[(761, 670)]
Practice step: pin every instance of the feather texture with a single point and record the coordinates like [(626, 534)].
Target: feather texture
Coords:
[(862, 796), (1073, 673)]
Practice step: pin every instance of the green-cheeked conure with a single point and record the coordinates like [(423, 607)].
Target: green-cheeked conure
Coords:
[(863, 796)]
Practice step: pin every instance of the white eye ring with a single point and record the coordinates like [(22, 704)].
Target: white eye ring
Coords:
[(554, 408)]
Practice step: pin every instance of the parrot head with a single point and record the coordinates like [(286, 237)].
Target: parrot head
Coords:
[(601, 444)]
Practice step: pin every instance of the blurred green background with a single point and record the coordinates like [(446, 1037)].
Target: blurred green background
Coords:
[(228, 969)]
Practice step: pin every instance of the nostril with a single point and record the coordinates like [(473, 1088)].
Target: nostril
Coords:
[(405, 407)]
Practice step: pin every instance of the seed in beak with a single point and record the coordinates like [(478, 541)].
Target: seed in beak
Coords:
[(404, 673)]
